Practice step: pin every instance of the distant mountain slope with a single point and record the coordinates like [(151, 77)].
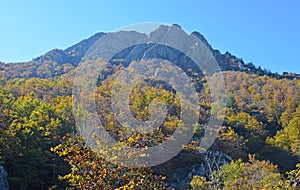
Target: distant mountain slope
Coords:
[(58, 62)]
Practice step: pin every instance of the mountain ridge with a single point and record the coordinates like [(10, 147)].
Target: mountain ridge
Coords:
[(57, 62)]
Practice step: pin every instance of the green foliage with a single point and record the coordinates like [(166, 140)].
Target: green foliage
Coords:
[(262, 118), (288, 137), (91, 171), (253, 174), (29, 127), (246, 124), (200, 183)]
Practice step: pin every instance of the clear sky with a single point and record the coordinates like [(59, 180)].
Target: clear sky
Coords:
[(265, 32)]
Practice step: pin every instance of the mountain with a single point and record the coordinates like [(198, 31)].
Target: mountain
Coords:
[(256, 145), (57, 62)]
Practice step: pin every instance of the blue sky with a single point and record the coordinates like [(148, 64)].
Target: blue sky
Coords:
[(266, 32)]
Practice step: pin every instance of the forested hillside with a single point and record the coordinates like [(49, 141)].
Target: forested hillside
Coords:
[(258, 146)]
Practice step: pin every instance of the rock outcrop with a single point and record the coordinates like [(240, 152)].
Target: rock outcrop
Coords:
[(211, 161), (3, 179)]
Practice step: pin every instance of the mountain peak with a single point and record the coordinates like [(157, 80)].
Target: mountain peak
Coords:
[(203, 39), (57, 60)]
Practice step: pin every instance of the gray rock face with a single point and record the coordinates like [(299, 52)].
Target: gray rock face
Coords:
[(211, 161), (3, 179)]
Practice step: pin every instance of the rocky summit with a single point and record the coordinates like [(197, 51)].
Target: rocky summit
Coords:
[(57, 62)]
